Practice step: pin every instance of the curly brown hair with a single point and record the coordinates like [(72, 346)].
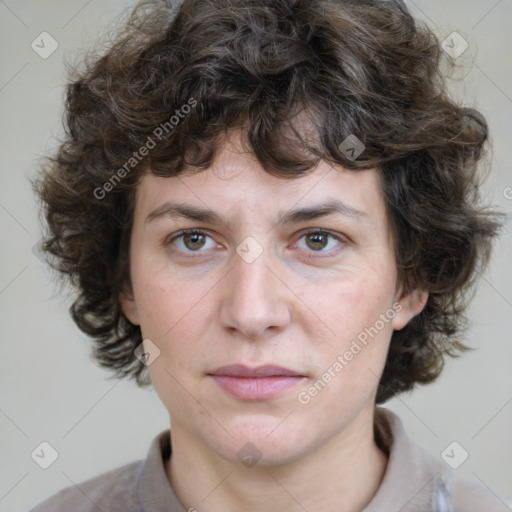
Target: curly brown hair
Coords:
[(365, 68)]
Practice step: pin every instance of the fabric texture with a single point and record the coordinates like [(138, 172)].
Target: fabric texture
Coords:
[(414, 481)]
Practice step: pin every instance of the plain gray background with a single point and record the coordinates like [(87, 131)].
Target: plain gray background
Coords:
[(50, 390)]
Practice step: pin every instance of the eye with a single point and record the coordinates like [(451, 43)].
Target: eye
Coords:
[(317, 240), (190, 241)]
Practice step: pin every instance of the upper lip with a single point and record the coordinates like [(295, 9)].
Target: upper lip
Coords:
[(240, 370)]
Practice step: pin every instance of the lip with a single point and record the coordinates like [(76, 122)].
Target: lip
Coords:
[(260, 383), (268, 370)]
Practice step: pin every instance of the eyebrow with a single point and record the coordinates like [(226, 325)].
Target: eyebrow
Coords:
[(173, 209)]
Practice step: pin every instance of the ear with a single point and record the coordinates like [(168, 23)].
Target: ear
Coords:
[(129, 307), (409, 306)]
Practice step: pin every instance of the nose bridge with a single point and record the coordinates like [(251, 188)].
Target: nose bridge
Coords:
[(255, 298)]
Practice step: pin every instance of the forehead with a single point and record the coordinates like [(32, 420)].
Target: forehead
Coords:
[(236, 188)]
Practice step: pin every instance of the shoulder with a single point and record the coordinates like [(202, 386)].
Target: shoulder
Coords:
[(136, 486), (111, 490), (470, 496), (449, 491), (419, 481)]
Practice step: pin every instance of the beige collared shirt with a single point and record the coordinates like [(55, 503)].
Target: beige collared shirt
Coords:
[(414, 481)]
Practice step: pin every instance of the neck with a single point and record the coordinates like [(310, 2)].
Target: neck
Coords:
[(341, 475)]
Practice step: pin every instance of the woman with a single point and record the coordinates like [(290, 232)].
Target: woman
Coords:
[(270, 211)]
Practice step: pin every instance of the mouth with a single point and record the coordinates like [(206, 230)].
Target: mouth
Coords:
[(261, 383)]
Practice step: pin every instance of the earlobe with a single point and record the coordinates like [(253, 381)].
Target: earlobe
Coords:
[(411, 305), (129, 308)]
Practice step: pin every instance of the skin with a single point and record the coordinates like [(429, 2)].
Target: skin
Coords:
[(287, 308)]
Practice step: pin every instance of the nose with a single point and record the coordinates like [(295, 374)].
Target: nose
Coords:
[(255, 298)]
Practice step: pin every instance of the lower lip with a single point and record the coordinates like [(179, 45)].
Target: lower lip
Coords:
[(262, 388)]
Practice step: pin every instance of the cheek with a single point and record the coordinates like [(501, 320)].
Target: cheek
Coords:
[(161, 299), (354, 305), (356, 346), (175, 315), (170, 318), (350, 363)]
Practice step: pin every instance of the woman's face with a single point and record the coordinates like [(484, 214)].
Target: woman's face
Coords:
[(292, 274)]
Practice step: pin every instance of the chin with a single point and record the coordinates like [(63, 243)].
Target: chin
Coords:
[(263, 440)]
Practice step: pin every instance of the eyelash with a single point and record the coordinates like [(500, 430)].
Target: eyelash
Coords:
[(198, 254)]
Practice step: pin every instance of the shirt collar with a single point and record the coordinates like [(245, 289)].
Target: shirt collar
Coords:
[(155, 491), (412, 475)]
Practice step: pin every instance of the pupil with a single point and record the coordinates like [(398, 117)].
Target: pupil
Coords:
[(317, 236), (195, 236)]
